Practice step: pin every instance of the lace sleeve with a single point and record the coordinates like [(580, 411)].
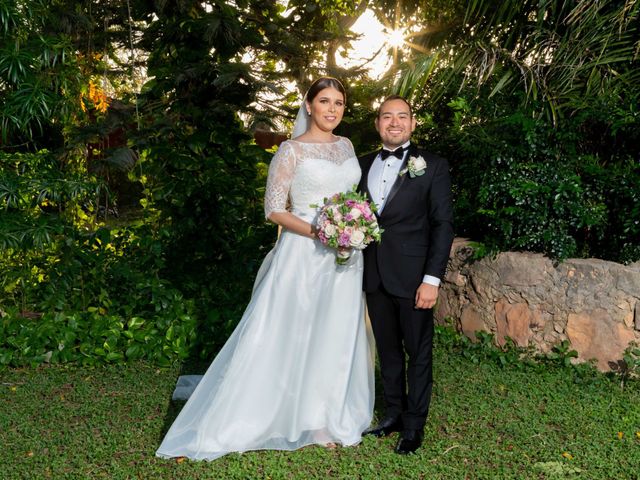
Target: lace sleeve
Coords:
[(281, 170), (349, 148)]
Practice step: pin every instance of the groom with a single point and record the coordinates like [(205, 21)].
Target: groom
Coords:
[(402, 273)]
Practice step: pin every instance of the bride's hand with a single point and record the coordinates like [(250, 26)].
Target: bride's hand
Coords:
[(294, 224)]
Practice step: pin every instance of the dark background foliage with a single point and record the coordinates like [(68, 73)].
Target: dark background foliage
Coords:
[(523, 183)]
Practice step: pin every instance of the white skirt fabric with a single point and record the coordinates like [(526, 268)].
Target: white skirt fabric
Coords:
[(297, 370)]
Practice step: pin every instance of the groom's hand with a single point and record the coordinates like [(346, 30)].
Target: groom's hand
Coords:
[(426, 295)]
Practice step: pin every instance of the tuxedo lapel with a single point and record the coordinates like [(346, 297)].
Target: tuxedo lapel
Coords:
[(367, 161), (397, 185)]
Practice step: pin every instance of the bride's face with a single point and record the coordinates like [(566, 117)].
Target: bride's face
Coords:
[(326, 109)]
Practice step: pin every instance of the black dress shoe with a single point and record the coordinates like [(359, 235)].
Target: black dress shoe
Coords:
[(409, 441), (385, 428)]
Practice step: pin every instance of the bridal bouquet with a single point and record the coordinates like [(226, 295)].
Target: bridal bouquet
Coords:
[(346, 222)]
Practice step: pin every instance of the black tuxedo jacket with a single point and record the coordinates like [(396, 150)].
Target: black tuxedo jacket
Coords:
[(418, 227)]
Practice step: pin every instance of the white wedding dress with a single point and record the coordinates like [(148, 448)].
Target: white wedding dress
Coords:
[(298, 369)]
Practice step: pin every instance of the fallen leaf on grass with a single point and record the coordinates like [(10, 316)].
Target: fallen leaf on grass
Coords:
[(567, 455), (620, 435), (450, 448)]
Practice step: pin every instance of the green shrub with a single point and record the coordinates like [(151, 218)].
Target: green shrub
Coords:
[(72, 290), (524, 183), (536, 205), (96, 300), (95, 337)]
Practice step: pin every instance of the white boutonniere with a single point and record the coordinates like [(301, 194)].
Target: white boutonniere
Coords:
[(416, 166)]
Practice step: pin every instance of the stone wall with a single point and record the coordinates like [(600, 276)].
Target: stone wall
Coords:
[(595, 304)]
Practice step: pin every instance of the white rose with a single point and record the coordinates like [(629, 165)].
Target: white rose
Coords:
[(419, 163), (357, 238), (337, 216), (355, 213), (330, 230)]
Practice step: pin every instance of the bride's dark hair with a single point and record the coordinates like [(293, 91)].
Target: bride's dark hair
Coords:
[(322, 83)]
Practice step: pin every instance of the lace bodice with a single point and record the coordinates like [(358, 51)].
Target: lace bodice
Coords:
[(302, 174)]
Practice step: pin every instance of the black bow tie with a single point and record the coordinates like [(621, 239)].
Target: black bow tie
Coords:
[(398, 153)]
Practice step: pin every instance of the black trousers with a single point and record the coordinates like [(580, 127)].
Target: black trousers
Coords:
[(399, 327)]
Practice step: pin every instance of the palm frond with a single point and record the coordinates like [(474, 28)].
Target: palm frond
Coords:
[(552, 50)]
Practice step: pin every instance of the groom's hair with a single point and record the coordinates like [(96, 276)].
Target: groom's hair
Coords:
[(322, 83), (395, 97)]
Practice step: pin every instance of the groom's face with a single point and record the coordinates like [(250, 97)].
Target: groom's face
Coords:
[(395, 124)]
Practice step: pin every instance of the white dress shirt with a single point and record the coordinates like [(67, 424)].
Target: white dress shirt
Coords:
[(382, 175)]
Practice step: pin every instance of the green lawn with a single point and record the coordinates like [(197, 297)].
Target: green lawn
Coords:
[(486, 422)]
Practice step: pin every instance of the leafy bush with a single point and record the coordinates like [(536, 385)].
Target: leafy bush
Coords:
[(95, 299), (523, 183), (188, 263), (94, 337), (71, 290), (536, 205), (203, 176)]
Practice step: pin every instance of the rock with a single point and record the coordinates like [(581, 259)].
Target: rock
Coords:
[(459, 280), (551, 338), (481, 281), (471, 321), (628, 319), (628, 280), (538, 321), (522, 269), (595, 335), (513, 320), (443, 307), (526, 297)]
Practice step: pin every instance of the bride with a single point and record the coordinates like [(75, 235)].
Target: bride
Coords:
[(298, 369)]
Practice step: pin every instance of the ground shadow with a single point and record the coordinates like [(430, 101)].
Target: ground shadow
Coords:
[(191, 366)]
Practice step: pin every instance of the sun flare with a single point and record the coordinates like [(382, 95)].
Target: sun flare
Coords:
[(379, 44), (395, 38)]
